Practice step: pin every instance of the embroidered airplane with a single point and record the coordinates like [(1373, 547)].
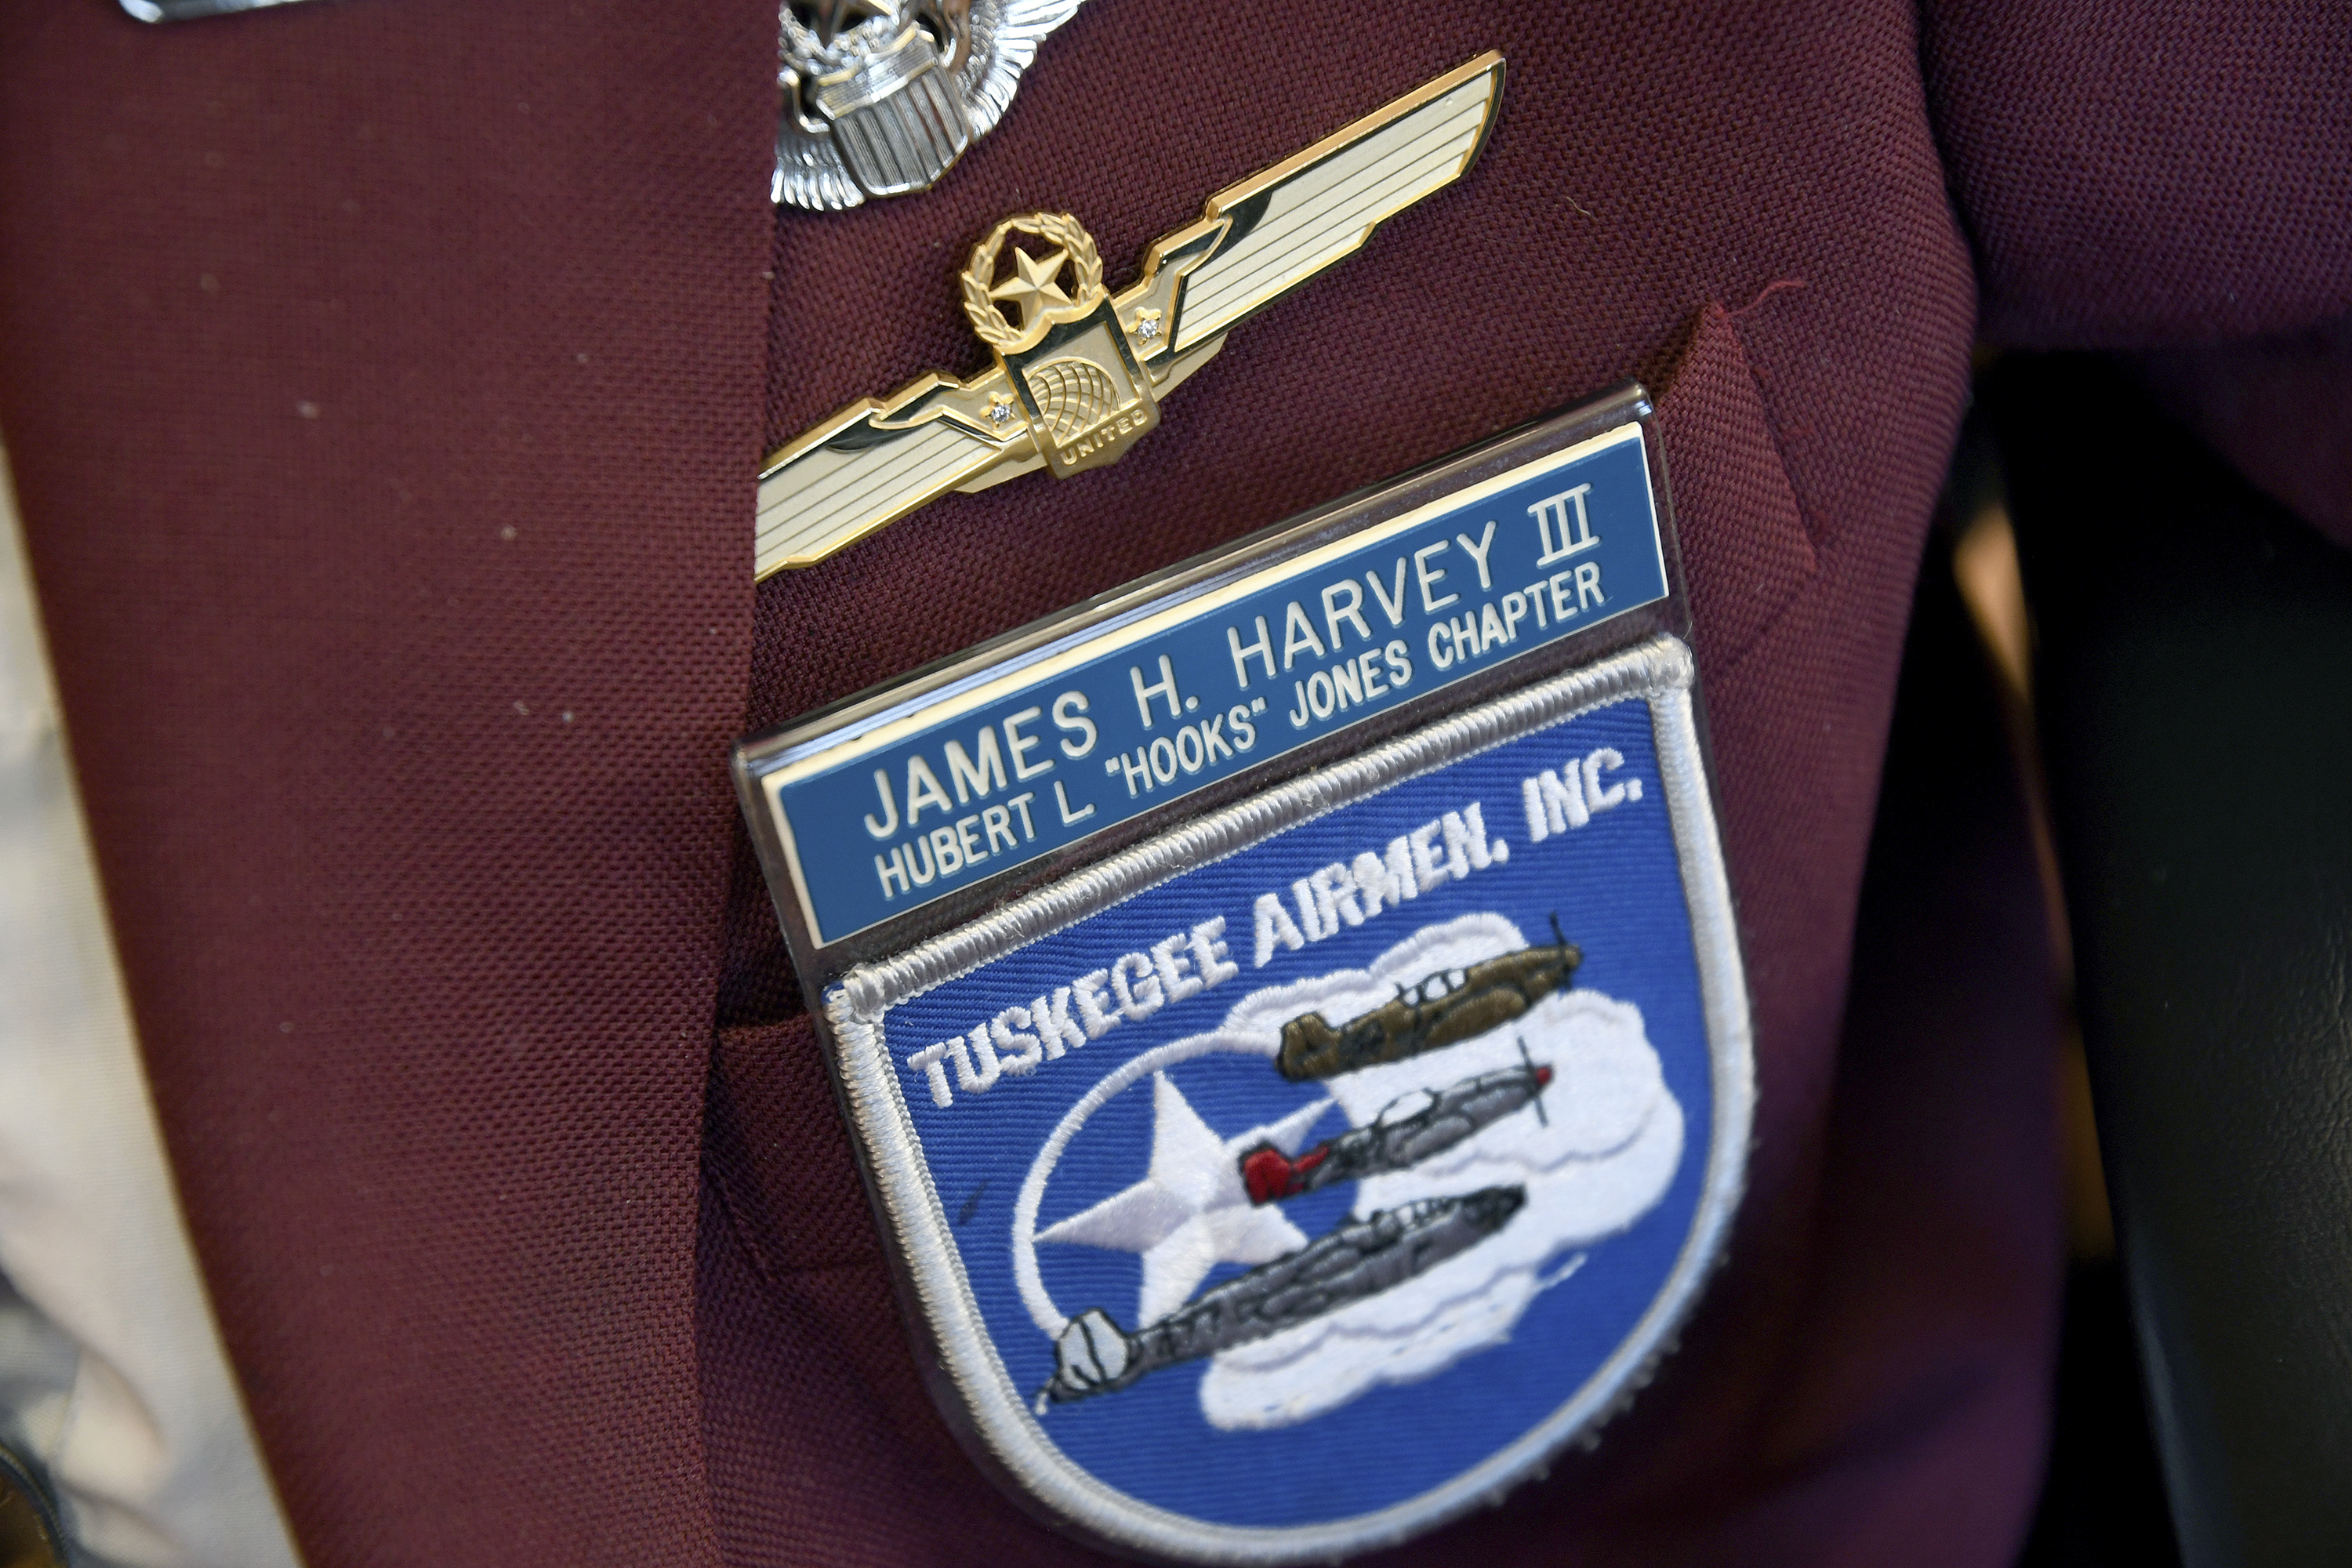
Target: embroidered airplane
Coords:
[(1450, 1007), (1361, 1258)]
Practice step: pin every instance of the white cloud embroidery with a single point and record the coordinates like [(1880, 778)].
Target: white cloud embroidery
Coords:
[(1603, 1153)]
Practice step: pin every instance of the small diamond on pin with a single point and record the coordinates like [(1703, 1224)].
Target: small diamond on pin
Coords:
[(1146, 325)]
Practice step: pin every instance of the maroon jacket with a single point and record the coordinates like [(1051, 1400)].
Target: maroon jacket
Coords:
[(384, 381)]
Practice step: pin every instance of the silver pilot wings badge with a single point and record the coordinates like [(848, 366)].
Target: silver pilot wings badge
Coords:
[(881, 95), (1079, 374)]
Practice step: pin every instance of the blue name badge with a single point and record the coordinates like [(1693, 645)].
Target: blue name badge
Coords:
[(1056, 745), (1300, 1148)]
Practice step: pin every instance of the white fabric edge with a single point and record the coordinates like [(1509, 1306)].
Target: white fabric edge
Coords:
[(155, 1461), (1660, 671)]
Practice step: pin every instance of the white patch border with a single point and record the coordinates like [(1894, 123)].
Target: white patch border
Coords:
[(1661, 672)]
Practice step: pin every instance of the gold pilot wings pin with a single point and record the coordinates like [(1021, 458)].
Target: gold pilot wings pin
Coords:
[(1289, 1009), (1079, 372)]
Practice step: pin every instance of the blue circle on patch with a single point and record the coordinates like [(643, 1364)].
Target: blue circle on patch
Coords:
[(1369, 1162)]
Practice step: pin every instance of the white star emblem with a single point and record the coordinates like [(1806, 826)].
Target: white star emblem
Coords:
[(1190, 1213)]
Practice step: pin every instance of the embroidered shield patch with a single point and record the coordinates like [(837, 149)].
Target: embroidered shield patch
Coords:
[(1289, 1009), (1330, 1182)]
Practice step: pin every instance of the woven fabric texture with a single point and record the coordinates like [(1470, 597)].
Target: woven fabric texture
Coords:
[(2279, 409), (383, 388), (1769, 243), (383, 381), (2149, 174)]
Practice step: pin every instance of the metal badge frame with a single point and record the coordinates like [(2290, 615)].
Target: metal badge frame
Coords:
[(820, 962)]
